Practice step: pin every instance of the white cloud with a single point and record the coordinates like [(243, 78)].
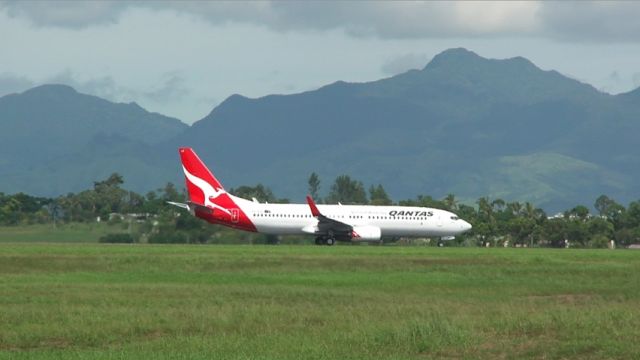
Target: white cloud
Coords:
[(67, 13), (400, 64), (636, 79), (591, 21), (497, 18), (583, 21), (172, 88), (152, 52), (104, 87), (10, 84)]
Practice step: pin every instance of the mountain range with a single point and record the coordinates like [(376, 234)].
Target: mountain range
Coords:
[(463, 124)]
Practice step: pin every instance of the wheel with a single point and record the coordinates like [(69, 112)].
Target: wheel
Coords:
[(331, 241), (440, 244)]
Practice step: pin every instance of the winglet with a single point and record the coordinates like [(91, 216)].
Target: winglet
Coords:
[(314, 209)]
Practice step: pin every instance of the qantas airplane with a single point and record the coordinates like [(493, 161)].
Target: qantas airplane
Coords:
[(328, 223)]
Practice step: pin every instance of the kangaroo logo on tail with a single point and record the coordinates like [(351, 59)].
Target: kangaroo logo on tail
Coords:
[(208, 190), (208, 199), (200, 180)]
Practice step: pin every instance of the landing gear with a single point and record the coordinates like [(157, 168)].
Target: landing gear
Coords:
[(325, 240), (330, 239), (440, 244)]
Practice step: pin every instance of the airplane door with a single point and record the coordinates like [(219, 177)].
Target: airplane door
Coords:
[(439, 220), (235, 215)]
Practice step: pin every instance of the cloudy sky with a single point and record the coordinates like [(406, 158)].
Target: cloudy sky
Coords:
[(183, 58)]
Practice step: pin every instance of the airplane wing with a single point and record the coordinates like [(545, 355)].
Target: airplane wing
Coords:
[(327, 225)]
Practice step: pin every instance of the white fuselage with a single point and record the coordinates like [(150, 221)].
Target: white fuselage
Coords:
[(393, 221)]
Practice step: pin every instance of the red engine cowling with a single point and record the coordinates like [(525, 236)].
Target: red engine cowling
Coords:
[(366, 233)]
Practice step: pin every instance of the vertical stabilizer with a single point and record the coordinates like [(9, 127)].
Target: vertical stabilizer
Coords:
[(202, 186)]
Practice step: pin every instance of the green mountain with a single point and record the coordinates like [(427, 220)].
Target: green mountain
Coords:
[(463, 124), (55, 140)]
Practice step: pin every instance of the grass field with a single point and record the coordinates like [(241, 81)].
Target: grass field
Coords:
[(307, 302), (63, 233)]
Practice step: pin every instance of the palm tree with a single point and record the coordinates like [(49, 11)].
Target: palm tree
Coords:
[(450, 202)]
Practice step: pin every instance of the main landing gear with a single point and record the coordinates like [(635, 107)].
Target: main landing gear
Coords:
[(325, 240)]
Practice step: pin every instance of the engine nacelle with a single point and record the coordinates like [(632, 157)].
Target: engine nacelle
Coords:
[(366, 233)]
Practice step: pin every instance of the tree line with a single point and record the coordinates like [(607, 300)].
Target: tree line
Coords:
[(495, 221)]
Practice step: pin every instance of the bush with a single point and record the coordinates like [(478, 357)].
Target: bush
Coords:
[(599, 242), (117, 239)]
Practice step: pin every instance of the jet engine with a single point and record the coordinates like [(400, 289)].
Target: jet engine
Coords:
[(366, 233)]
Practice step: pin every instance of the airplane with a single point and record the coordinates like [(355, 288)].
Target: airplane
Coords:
[(209, 201)]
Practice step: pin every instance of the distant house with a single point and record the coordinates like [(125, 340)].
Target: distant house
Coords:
[(556, 216), (634, 246), (138, 217)]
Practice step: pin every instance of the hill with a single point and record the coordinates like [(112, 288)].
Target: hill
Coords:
[(55, 140), (463, 124)]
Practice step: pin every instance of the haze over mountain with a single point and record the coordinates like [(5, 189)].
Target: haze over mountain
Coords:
[(55, 140), (463, 124)]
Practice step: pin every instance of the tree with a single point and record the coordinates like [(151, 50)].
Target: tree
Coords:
[(556, 232), (632, 216), (170, 193), (260, 192), (602, 204), (598, 225), (55, 210), (628, 236), (10, 211), (347, 191), (109, 197), (378, 196), (450, 202), (485, 210), (468, 213), (580, 212), (577, 232), (314, 185), (514, 208), (498, 205), (423, 201), (610, 209), (114, 180), (522, 230)]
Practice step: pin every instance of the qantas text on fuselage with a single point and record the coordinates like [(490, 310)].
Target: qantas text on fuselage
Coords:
[(328, 223)]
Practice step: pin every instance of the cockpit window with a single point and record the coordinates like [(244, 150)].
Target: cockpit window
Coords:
[(455, 218)]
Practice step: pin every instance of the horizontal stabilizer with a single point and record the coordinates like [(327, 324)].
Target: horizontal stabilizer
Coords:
[(180, 205), (191, 206)]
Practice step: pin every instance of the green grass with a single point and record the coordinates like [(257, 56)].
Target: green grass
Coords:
[(73, 232), (306, 302)]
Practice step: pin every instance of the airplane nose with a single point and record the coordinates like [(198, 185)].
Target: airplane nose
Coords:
[(466, 226)]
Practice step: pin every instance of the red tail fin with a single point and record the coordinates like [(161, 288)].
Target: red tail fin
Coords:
[(201, 184)]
